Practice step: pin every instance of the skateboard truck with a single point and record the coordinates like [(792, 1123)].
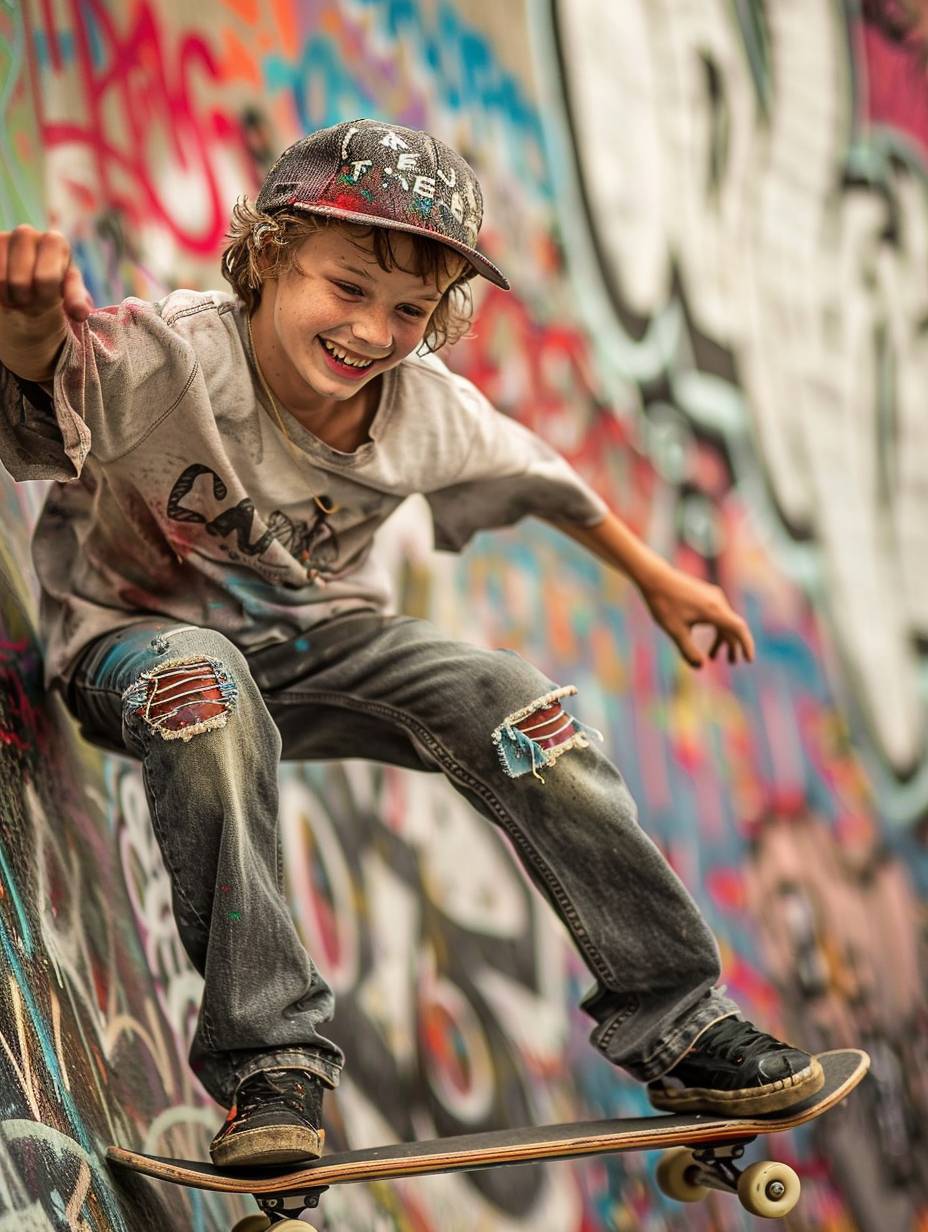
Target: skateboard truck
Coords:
[(717, 1163), (767, 1189), (282, 1207)]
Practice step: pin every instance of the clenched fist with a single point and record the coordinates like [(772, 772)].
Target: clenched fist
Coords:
[(37, 275), (41, 289)]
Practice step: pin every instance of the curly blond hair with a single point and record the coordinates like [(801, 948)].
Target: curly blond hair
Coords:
[(264, 246)]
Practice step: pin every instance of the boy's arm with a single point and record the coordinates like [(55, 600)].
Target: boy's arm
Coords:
[(75, 381), (40, 290), (676, 600)]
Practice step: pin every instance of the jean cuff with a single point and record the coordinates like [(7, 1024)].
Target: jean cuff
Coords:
[(648, 1050), (313, 1062), (674, 1041)]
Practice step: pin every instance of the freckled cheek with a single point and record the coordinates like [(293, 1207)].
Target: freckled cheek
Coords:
[(298, 332), (407, 338), (305, 316)]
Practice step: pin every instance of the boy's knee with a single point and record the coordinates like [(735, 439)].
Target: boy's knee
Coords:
[(182, 697), (538, 729)]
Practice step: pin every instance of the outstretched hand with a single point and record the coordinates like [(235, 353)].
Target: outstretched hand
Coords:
[(42, 295), (678, 602), (38, 275)]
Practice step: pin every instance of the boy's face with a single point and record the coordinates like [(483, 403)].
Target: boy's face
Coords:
[(339, 319)]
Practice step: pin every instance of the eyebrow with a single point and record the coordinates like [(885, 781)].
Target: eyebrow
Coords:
[(359, 273)]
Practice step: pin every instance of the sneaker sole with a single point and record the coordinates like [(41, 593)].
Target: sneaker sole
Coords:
[(268, 1144), (773, 1097)]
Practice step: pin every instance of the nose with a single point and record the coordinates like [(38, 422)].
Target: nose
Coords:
[(372, 328)]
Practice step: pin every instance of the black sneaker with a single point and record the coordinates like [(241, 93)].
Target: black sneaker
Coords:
[(733, 1068), (275, 1119)]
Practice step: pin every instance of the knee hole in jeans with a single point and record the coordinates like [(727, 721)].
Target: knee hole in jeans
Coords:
[(539, 733), (182, 697)]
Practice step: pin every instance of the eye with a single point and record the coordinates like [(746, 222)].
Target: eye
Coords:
[(348, 287), (410, 310)]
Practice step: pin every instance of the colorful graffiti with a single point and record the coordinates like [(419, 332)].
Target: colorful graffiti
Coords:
[(781, 298), (86, 1050), (718, 320)]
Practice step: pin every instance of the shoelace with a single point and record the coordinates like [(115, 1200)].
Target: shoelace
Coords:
[(735, 1040), (285, 1088)]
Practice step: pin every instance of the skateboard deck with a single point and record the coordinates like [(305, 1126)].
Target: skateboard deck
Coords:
[(713, 1143)]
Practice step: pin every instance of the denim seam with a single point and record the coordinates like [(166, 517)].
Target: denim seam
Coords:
[(160, 834), (619, 1020), (162, 417), (459, 772), (98, 688), (206, 1029)]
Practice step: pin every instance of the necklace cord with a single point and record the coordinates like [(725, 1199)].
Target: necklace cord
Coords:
[(324, 503)]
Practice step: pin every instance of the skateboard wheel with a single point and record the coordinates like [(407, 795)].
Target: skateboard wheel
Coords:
[(253, 1223), (768, 1189), (674, 1171)]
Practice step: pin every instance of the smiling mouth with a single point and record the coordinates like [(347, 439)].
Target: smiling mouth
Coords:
[(345, 359)]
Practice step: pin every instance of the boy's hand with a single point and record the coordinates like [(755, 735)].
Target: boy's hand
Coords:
[(678, 602), (40, 291), (38, 276)]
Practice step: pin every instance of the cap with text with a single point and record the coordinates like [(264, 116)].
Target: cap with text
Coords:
[(383, 175)]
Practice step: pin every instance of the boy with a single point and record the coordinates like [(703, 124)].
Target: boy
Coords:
[(210, 603)]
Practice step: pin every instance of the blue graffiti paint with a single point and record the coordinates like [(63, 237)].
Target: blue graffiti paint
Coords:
[(97, 53), (468, 75), (65, 40), (12, 890), (468, 80), (342, 93)]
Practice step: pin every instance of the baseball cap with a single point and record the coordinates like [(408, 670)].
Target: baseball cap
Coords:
[(383, 175)]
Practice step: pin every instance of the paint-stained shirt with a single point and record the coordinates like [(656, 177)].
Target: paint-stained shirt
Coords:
[(176, 493)]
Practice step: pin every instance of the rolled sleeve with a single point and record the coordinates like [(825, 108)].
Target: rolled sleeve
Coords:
[(115, 371), (41, 436)]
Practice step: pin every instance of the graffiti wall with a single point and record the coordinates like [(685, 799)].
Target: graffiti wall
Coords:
[(716, 223)]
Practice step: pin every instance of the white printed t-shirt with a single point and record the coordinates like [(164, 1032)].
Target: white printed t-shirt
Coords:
[(176, 494)]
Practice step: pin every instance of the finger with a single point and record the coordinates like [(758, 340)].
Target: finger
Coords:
[(687, 646), (52, 259), (20, 263), (747, 641), (4, 249), (740, 638), (78, 303), (732, 626), (728, 641)]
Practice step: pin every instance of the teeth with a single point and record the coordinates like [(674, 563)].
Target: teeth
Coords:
[(344, 356)]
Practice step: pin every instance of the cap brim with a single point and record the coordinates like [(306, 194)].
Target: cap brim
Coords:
[(481, 264)]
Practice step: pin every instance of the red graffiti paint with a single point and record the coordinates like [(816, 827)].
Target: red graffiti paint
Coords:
[(893, 93), (554, 392), (22, 724), (142, 93)]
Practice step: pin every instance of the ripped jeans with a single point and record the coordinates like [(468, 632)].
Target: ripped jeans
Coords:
[(210, 725)]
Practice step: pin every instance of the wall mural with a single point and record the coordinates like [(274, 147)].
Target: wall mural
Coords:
[(715, 221)]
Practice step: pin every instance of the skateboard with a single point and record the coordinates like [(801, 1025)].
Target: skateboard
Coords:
[(705, 1152)]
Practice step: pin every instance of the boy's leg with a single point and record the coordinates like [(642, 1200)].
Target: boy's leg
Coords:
[(182, 700), (395, 689)]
